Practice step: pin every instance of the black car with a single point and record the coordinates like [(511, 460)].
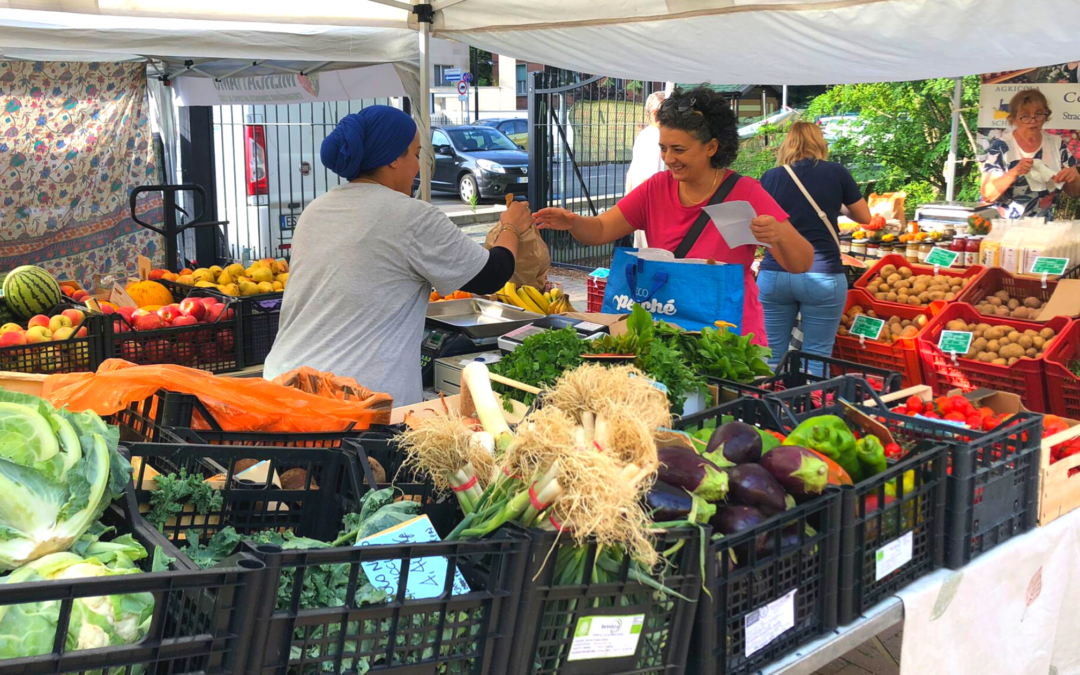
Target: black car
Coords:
[(476, 161)]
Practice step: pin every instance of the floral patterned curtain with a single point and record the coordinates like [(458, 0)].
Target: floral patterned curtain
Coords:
[(74, 140)]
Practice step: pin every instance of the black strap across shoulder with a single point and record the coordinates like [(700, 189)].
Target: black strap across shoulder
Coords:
[(700, 224)]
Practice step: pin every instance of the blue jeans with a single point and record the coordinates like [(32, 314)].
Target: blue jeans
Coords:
[(818, 297)]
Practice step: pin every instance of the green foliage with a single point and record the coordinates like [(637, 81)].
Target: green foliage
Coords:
[(174, 491), (539, 361), (901, 138), (722, 354)]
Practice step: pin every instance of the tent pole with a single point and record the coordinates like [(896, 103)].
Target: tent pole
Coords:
[(426, 153), (954, 139), (783, 104)]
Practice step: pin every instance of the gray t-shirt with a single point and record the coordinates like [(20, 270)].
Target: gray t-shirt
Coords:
[(364, 260)]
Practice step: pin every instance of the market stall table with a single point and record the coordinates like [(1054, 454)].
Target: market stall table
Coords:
[(1016, 607)]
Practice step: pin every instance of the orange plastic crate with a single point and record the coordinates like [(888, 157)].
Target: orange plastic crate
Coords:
[(901, 356), (1062, 387), (1025, 378), (900, 261)]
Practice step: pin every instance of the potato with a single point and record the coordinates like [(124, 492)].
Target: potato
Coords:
[(921, 320), (891, 296), (910, 331), (903, 293), (905, 323), (985, 308), (1013, 303), (906, 272), (895, 328), (1001, 311), (979, 344), (1021, 313), (956, 282), (872, 314), (855, 310), (950, 296), (887, 270), (1031, 333), (1000, 362), (1047, 333), (879, 295), (1011, 351), (993, 345), (982, 326), (992, 333), (1002, 295), (1038, 342), (1004, 341), (1012, 360), (1031, 352), (842, 330), (1025, 341), (913, 300), (996, 302), (903, 284), (937, 295), (1013, 335), (892, 279), (885, 288), (1005, 330), (1032, 302)]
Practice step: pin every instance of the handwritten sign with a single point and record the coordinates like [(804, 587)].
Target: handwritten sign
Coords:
[(955, 341), (427, 576), (1050, 266), (940, 257), (867, 327)]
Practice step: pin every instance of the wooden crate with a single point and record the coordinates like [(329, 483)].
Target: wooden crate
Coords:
[(1059, 493)]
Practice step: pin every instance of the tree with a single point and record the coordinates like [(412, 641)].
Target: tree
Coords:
[(481, 63), (901, 136)]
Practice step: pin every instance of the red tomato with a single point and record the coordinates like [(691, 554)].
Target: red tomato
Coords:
[(912, 413), (955, 416), (986, 412), (990, 423), (915, 403), (944, 404), (974, 421), (932, 415), (901, 410), (961, 404)]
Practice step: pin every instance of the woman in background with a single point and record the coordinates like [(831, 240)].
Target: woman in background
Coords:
[(813, 191)]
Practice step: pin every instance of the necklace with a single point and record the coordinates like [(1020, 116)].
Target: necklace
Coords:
[(693, 202)]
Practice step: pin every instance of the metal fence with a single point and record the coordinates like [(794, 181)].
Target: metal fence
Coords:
[(581, 136), (268, 169)]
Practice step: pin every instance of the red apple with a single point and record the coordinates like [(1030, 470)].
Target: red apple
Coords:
[(168, 313), (194, 308), (75, 315), (126, 312), (209, 301), (67, 290), (185, 320), (156, 275), (148, 322), (63, 333), (107, 309), (8, 327), (80, 296), (81, 332), (214, 312), (36, 334), (59, 321), (130, 351), (39, 320), (12, 338), (140, 312)]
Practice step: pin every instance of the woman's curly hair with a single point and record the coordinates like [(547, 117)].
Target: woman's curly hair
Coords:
[(709, 117)]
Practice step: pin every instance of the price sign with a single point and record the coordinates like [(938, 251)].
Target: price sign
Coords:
[(1050, 266), (867, 327), (939, 257), (955, 341)]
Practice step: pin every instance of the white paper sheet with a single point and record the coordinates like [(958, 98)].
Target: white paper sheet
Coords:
[(732, 220)]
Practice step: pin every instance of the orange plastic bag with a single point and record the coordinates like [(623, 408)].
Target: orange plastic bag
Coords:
[(236, 403), (327, 385)]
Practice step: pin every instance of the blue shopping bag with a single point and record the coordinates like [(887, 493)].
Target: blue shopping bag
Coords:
[(690, 295)]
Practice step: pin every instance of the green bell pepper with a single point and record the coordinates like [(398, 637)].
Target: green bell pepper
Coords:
[(871, 454), (829, 435)]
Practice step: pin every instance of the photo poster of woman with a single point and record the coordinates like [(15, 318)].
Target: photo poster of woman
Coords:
[(1060, 84)]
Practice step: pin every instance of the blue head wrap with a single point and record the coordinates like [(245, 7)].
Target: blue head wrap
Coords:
[(367, 140)]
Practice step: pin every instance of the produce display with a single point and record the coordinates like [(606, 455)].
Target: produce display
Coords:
[(261, 277), (901, 284), (42, 328), (895, 327), (149, 294), (1003, 304), (456, 295), (30, 290), (1002, 345), (532, 300), (188, 312)]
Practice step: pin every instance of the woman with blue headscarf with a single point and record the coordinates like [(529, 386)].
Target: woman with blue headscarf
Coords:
[(365, 256)]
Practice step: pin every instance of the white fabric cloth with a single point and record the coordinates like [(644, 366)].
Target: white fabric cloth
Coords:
[(1015, 610), (1044, 169), (645, 160), (364, 260)]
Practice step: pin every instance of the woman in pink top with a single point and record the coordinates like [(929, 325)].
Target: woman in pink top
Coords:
[(699, 139)]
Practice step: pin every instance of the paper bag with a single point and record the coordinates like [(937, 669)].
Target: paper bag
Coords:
[(533, 258), (889, 205)]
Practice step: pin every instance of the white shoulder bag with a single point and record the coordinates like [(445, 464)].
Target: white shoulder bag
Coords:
[(820, 213)]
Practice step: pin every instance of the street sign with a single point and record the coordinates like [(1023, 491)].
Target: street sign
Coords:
[(467, 78), (463, 97), (463, 88), (452, 74)]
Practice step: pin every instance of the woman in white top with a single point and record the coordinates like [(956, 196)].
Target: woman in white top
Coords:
[(1026, 170)]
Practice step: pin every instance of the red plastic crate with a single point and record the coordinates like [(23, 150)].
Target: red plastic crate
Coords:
[(1062, 387), (595, 297), (900, 261), (902, 356), (1025, 378), (996, 279)]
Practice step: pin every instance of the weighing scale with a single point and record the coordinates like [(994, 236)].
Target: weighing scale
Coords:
[(585, 329), (448, 369), (455, 327), (940, 216)]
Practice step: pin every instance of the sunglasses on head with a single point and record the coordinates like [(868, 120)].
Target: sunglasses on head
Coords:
[(682, 105)]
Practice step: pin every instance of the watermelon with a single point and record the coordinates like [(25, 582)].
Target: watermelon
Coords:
[(30, 290)]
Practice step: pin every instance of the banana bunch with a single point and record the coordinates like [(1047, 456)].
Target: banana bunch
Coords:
[(532, 300)]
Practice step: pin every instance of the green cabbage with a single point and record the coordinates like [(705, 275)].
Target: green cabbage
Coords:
[(58, 472), (29, 629)]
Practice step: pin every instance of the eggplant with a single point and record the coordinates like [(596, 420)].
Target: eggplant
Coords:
[(683, 468), (799, 471), (753, 485), (732, 519), (668, 503), (734, 443)]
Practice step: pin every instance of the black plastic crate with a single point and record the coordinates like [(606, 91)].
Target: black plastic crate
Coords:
[(823, 397), (73, 355), (201, 621), (259, 318), (214, 347), (455, 632), (550, 615), (755, 411), (149, 420), (794, 372), (314, 507)]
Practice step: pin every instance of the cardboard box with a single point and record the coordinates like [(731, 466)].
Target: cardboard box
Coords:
[(1064, 302), (453, 403)]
